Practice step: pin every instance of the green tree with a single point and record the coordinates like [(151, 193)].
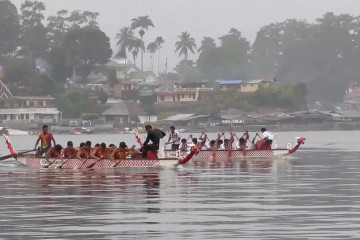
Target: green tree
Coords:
[(151, 48), (86, 47), (9, 28), (73, 103), (56, 57), (186, 43), (103, 96), (228, 61), (125, 41), (82, 19), (63, 21), (111, 77), (142, 22), (34, 33), (187, 71), (135, 46), (160, 42), (57, 27), (207, 44)]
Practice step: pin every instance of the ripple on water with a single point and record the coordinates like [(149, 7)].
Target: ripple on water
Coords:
[(313, 196)]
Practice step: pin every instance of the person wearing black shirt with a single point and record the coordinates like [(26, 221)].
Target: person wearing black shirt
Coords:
[(154, 135)]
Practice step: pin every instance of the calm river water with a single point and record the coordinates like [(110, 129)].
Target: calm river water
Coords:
[(314, 195)]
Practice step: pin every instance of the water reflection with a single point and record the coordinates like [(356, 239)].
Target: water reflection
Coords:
[(314, 196)]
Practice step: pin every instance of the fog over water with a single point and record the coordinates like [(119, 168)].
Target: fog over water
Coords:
[(201, 18)]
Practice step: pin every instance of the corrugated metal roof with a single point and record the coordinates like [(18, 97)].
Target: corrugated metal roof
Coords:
[(350, 113), (118, 109), (194, 117), (179, 117), (125, 109), (230, 82), (257, 81)]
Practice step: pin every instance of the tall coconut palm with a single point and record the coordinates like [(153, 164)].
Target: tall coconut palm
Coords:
[(142, 22), (125, 36), (134, 46), (152, 48), (207, 44), (159, 41), (185, 44)]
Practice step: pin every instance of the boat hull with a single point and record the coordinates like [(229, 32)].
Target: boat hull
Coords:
[(235, 154), (35, 162)]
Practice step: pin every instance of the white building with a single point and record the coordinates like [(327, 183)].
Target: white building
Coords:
[(22, 109)]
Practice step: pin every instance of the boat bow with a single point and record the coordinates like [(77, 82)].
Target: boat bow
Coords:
[(194, 151), (300, 142)]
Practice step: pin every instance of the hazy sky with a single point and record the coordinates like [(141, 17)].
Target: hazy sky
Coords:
[(201, 18)]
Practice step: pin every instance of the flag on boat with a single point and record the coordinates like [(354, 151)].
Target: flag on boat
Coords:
[(1, 72), (4, 91), (9, 145)]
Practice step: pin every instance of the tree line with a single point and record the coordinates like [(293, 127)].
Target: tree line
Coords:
[(324, 55)]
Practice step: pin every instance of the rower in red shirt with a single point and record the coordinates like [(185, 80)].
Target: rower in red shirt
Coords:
[(99, 152), (70, 152), (45, 138), (54, 152), (85, 152)]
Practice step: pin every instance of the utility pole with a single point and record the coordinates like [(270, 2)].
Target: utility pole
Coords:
[(166, 66)]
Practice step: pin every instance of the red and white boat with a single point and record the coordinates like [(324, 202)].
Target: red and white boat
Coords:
[(240, 154), (40, 162)]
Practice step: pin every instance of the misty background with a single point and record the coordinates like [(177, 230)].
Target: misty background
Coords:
[(282, 56), (200, 18)]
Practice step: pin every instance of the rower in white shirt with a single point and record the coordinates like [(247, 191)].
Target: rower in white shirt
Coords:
[(221, 145), (268, 137), (183, 147), (175, 137)]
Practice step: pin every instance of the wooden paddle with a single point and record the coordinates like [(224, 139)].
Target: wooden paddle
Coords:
[(15, 155), (230, 145), (93, 164)]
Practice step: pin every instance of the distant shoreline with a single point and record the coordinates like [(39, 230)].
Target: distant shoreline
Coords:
[(328, 126)]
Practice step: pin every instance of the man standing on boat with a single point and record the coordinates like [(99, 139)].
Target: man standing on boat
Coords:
[(175, 138), (154, 135), (45, 138)]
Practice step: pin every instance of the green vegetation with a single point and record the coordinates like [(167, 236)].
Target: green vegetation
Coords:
[(73, 103), (89, 116), (316, 60)]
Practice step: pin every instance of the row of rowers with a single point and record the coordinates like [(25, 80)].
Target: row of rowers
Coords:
[(244, 142), (84, 151)]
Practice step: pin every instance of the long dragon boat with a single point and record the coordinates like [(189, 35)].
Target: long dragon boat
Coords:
[(204, 155), (41, 162)]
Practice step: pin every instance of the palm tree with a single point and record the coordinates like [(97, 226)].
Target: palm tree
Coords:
[(152, 48), (185, 43), (142, 22), (159, 41), (125, 36), (207, 44), (134, 46)]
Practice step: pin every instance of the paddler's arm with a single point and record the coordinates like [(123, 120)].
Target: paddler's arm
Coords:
[(78, 155), (92, 154), (47, 155), (147, 139), (112, 155), (53, 139), (37, 142)]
